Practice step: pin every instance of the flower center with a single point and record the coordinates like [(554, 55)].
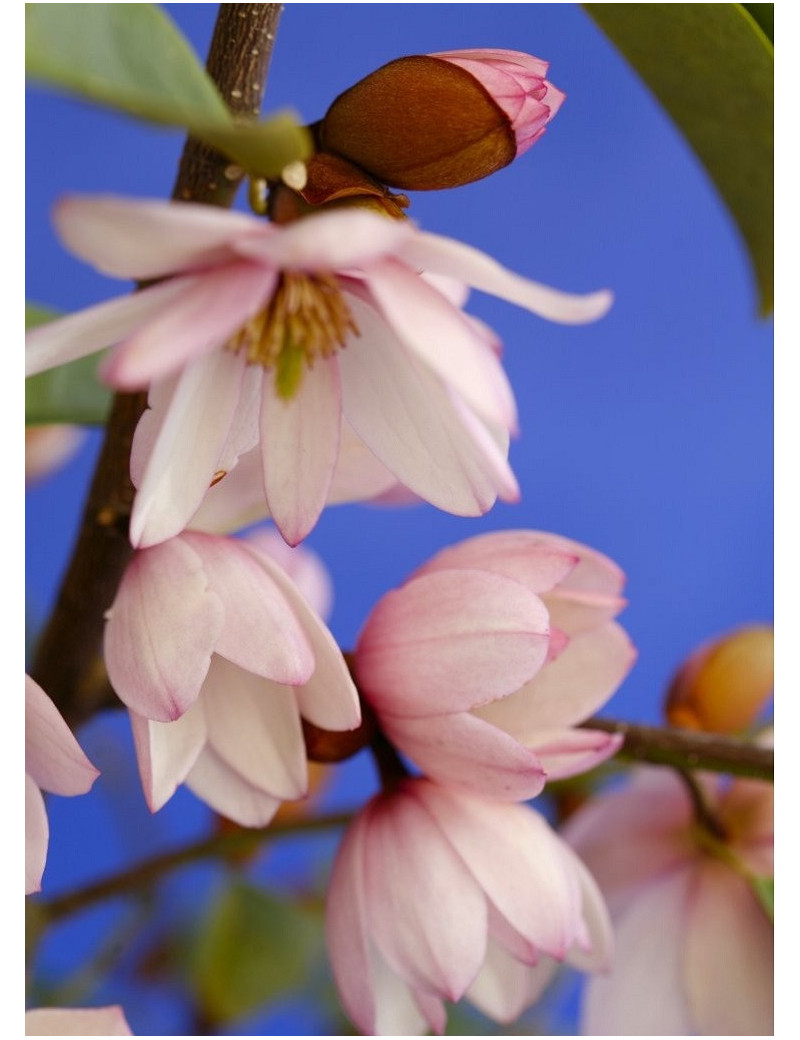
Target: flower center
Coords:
[(306, 318)]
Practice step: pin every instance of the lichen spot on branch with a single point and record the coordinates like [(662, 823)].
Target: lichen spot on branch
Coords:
[(306, 318)]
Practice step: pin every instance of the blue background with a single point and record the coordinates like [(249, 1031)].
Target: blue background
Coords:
[(647, 435)]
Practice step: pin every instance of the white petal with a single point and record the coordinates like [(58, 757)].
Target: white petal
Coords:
[(504, 987), (90, 330), (299, 445), (228, 793), (457, 260), (105, 1021), (406, 417), (183, 446), (166, 751), (147, 238), (37, 833)]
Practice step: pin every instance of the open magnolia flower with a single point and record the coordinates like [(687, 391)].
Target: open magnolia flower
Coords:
[(694, 947), (482, 665), (217, 655), (267, 334), (437, 894), (54, 762)]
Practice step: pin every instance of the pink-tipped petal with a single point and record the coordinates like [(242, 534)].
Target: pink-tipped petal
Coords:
[(450, 640), (644, 996), (348, 238), (93, 329), (446, 256), (416, 431), (228, 793), (300, 443), (425, 911), (595, 954), (139, 239), (306, 571), (105, 1021), (442, 338), (464, 751), (568, 689), (53, 757), (328, 698), (37, 833), (178, 454), (161, 631), (166, 751), (254, 726), (207, 313), (568, 752), (261, 632), (729, 951), (515, 858)]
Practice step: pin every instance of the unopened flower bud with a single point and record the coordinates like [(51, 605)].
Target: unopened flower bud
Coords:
[(724, 686), (441, 120)]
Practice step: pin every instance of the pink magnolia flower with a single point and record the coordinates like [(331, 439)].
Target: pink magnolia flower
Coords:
[(217, 655), (437, 894), (54, 762), (694, 950), (517, 83), (105, 1021), (270, 335), (480, 667)]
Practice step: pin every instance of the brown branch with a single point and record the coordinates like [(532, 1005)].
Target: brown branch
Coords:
[(67, 663), (688, 749)]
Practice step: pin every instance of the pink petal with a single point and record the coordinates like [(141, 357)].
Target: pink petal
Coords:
[(178, 452), (299, 444), (235, 501), (138, 239), (228, 793), (53, 757), (442, 338), (166, 751), (728, 968), (568, 689), (425, 911), (161, 631), (505, 987), (207, 313), (406, 417), (105, 1021), (90, 330), (359, 474), (328, 241), (527, 62), (329, 697), (596, 954), (446, 256), (644, 994), (516, 860), (261, 632), (399, 1005), (466, 752), (37, 834), (450, 640), (568, 752), (254, 727), (306, 571)]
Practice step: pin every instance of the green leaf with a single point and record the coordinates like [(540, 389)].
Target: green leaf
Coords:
[(764, 16), (711, 67), (67, 394), (132, 58), (251, 948), (764, 888)]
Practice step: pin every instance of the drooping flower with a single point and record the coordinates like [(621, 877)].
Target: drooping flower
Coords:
[(105, 1021), (437, 894), (431, 121), (54, 762), (694, 948), (482, 665), (270, 335), (218, 655)]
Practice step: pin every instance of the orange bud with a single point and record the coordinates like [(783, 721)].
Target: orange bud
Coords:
[(724, 686), (433, 121)]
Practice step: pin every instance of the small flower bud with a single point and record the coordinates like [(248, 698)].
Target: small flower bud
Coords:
[(723, 686), (441, 120)]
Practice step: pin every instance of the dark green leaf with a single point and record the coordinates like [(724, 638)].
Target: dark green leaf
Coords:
[(764, 888), (132, 58), (764, 16), (251, 948), (67, 394), (712, 69)]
